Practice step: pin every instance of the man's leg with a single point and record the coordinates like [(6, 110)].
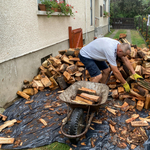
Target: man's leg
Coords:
[(105, 75), (97, 78)]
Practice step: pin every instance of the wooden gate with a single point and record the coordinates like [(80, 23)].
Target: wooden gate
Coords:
[(75, 38), (123, 23)]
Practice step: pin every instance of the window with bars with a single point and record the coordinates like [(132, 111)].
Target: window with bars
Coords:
[(104, 5)]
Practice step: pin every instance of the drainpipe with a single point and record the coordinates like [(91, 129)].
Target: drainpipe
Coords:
[(109, 17), (94, 18)]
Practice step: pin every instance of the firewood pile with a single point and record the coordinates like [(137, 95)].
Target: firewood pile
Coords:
[(59, 71)]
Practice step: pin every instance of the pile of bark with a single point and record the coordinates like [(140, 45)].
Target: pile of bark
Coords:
[(59, 71)]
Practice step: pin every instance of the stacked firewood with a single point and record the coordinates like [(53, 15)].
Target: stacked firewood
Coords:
[(139, 59), (59, 71)]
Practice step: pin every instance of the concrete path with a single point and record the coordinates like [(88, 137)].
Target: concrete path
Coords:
[(128, 34)]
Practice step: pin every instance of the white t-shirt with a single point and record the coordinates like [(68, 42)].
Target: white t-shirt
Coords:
[(101, 49)]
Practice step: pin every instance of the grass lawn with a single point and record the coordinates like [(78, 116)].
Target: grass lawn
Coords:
[(111, 31), (53, 146), (137, 39), (118, 33)]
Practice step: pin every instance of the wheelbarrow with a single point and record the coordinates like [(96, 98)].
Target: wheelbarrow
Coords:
[(75, 116)]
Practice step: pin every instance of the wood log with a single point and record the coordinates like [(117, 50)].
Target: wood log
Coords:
[(144, 119), (111, 81), (126, 70), (6, 140), (71, 80), (79, 102), (78, 74), (140, 105), (88, 90), (141, 54), (91, 97), (120, 89), (130, 102), (144, 84), (45, 81), (125, 76), (7, 123), (55, 62), (35, 90), (81, 69), (71, 69), (113, 111), (78, 98), (125, 106), (29, 91), (139, 123), (112, 86), (61, 82), (138, 69), (112, 128), (67, 75), (147, 102), (141, 90), (133, 146), (123, 96), (58, 56), (38, 84), (146, 64), (147, 57), (65, 59), (43, 121), (133, 52), (79, 64), (24, 95), (70, 51), (74, 59), (28, 102), (62, 52), (133, 117), (137, 95), (115, 93), (63, 67), (3, 117), (79, 91), (78, 78), (46, 64)]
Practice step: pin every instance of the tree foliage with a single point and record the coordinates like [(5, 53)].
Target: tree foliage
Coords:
[(129, 8)]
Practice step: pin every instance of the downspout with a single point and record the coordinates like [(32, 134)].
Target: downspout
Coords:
[(109, 17), (94, 18)]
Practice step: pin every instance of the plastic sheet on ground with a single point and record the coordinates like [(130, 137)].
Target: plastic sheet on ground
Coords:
[(31, 133)]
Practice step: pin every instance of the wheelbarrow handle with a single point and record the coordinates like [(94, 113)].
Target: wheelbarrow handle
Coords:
[(79, 135)]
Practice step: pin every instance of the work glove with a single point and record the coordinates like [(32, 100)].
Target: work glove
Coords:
[(136, 76), (127, 87)]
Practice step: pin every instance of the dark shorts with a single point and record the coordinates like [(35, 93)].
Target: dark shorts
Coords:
[(93, 66)]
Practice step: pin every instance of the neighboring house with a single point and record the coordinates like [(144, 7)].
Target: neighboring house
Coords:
[(26, 37)]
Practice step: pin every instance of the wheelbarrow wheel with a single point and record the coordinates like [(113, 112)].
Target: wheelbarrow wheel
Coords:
[(75, 124)]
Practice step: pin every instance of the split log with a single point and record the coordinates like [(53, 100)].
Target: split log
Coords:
[(78, 98), (24, 95), (88, 90), (144, 119), (133, 117), (58, 56), (122, 97), (71, 80), (45, 80), (146, 64), (79, 102), (74, 59), (112, 128), (79, 91), (37, 84), (62, 52), (3, 117), (125, 106), (6, 140), (125, 76), (141, 54), (90, 97), (29, 91), (137, 95), (112, 86), (46, 64), (147, 57), (7, 123), (115, 94), (139, 123), (43, 121), (113, 111), (130, 102), (78, 74), (55, 62), (61, 82), (65, 59), (71, 69), (70, 51), (141, 90), (35, 90), (63, 67), (67, 75), (120, 89), (133, 52), (79, 64), (147, 102), (138, 69)]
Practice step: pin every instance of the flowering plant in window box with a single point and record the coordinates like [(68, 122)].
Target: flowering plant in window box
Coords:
[(106, 14), (54, 6)]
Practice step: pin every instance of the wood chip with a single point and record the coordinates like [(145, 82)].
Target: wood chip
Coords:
[(43, 121)]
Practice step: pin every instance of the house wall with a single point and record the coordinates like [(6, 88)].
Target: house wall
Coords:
[(26, 37)]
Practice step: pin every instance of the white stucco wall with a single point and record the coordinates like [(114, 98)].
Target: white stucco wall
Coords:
[(23, 31)]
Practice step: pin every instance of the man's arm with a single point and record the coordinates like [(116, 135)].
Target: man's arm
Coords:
[(117, 74), (128, 64)]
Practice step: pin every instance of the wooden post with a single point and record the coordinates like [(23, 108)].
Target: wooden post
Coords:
[(70, 37)]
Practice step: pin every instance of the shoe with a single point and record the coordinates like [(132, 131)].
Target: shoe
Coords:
[(110, 94)]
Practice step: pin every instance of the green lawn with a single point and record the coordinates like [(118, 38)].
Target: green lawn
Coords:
[(53, 146), (137, 39), (118, 33)]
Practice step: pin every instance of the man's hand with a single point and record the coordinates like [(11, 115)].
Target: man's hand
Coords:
[(136, 76), (127, 87)]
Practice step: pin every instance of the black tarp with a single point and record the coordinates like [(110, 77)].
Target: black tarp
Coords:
[(31, 133)]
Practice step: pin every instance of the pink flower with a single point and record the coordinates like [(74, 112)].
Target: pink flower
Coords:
[(72, 6), (73, 18), (76, 11)]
